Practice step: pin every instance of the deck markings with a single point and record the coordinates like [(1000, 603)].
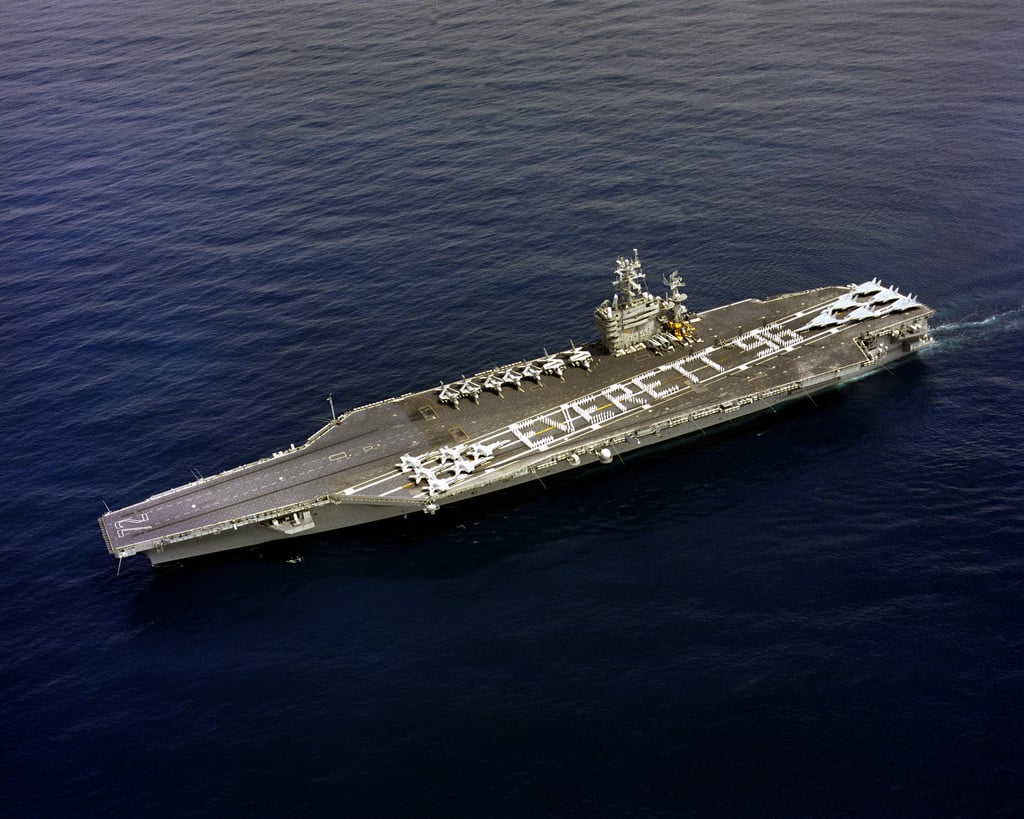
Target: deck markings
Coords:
[(126, 527), (649, 389), (555, 427)]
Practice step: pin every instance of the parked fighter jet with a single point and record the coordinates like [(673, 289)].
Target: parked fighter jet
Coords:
[(436, 484), (494, 383), (552, 365), (461, 466), (411, 462), (513, 377), (533, 372), (480, 452), (448, 394), (471, 390), (421, 472), (448, 454), (580, 358)]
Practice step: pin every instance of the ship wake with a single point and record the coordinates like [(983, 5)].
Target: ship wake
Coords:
[(969, 331)]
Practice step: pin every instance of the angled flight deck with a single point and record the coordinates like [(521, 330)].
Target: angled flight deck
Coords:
[(658, 371)]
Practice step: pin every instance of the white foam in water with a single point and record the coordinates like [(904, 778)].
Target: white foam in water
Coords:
[(971, 331)]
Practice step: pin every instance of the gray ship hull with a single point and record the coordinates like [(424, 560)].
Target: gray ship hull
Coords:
[(419, 452)]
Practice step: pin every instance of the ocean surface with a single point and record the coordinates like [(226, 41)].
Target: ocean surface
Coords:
[(212, 215)]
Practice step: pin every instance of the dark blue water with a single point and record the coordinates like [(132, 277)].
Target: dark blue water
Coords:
[(212, 215)]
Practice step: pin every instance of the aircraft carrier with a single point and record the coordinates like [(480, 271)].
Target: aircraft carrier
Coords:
[(658, 371)]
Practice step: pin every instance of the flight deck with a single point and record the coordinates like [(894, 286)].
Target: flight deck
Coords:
[(659, 371)]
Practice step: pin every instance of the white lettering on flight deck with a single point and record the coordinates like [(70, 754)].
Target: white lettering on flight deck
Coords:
[(652, 388), (591, 411), (679, 368), (588, 410)]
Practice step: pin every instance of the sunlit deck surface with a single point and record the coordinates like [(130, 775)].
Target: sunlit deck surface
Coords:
[(748, 347)]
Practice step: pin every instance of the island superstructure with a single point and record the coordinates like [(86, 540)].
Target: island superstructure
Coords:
[(658, 371)]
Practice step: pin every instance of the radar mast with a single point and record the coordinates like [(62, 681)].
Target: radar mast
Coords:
[(635, 317), (630, 281)]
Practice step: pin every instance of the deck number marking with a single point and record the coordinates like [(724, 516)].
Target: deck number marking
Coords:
[(127, 526)]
